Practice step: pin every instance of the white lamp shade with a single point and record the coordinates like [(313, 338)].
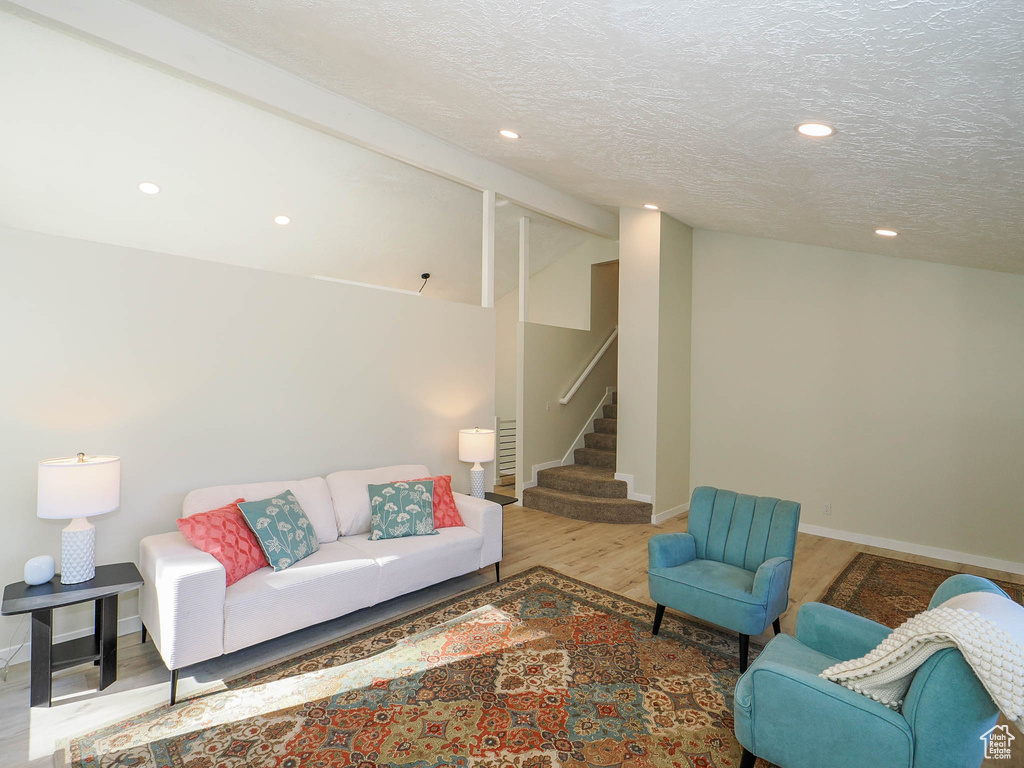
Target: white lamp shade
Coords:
[(476, 445), (71, 487)]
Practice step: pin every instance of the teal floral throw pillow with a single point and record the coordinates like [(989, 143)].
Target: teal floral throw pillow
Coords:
[(401, 509), (282, 528)]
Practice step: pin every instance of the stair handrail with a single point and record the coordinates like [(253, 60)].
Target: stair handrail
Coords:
[(593, 364)]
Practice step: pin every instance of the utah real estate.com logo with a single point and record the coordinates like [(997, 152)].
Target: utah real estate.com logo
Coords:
[(997, 742)]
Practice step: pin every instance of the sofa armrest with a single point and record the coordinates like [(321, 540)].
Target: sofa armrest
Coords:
[(182, 600), (484, 517), (836, 632), (667, 550), (960, 584), (790, 716), (771, 584)]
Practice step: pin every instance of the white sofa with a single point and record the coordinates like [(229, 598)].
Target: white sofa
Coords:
[(192, 616)]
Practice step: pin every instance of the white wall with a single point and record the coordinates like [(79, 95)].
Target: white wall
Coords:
[(890, 389), (198, 373)]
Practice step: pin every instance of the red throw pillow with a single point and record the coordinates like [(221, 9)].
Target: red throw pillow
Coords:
[(446, 514), (224, 534)]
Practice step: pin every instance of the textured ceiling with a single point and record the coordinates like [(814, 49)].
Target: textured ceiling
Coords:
[(692, 105), (89, 125)]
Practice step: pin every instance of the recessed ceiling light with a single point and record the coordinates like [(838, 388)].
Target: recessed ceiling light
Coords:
[(149, 188), (282, 220), (508, 134), (815, 130), (886, 232), (650, 206)]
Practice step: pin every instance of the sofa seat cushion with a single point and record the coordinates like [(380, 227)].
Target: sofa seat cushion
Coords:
[(414, 562), (351, 500), (311, 494), (715, 592), (331, 582)]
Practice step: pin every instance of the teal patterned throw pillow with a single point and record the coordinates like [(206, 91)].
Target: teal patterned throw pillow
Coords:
[(401, 509), (282, 528)]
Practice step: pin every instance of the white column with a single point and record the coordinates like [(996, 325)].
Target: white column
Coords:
[(524, 269), (487, 257)]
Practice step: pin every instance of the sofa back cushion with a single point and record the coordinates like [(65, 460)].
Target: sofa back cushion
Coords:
[(351, 499), (312, 495)]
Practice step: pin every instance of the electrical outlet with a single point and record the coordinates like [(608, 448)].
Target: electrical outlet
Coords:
[(828, 509), (549, 406)]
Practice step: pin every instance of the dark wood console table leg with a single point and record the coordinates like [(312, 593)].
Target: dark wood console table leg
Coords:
[(106, 639), (42, 656)]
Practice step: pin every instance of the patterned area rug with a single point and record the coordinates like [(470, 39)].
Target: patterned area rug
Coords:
[(540, 671), (891, 591)]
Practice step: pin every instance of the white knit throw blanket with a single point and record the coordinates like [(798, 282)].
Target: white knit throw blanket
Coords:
[(987, 628)]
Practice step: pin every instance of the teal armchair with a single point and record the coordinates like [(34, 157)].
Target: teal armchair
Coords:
[(732, 566), (789, 716)]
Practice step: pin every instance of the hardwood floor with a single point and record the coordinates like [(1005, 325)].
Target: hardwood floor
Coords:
[(610, 556)]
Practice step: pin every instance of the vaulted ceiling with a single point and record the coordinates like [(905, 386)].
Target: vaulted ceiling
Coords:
[(693, 105), (82, 127)]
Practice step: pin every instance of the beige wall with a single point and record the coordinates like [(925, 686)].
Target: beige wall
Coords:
[(673, 478), (506, 310), (553, 360), (655, 254), (639, 292), (890, 389), (560, 293), (198, 373)]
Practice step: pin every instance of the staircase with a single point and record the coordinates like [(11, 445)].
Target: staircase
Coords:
[(588, 490)]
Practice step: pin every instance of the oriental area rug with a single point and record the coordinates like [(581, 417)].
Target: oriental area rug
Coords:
[(891, 591), (539, 671)]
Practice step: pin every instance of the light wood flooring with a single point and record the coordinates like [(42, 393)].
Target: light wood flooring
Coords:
[(610, 556)]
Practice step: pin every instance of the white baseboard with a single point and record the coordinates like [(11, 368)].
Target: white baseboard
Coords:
[(661, 517), (915, 549), (532, 482), (630, 493), (125, 626)]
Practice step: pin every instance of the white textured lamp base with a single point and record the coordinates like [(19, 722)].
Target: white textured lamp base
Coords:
[(476, 479), (78, 552)]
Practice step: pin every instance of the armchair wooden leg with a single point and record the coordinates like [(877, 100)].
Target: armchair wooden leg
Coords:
[(497, 573), (144, 634), (777, 625), (744, 652), (659, 614), (174, 686), (748, 759)]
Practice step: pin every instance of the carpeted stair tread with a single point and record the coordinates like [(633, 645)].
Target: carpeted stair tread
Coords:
[(583, 480), (595, 457), (600, 440), (590, 508), (605, 426), (610, 411)]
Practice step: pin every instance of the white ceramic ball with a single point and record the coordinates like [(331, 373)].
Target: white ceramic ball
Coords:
[(39, 570)]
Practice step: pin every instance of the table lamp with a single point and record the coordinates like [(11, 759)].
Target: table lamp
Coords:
[(476, 445), (76, 488)]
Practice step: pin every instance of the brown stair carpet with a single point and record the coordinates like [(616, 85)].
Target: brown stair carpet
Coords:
[(588, 490)]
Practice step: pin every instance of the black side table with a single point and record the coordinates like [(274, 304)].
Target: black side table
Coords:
[(499, 498), (99, 648)]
